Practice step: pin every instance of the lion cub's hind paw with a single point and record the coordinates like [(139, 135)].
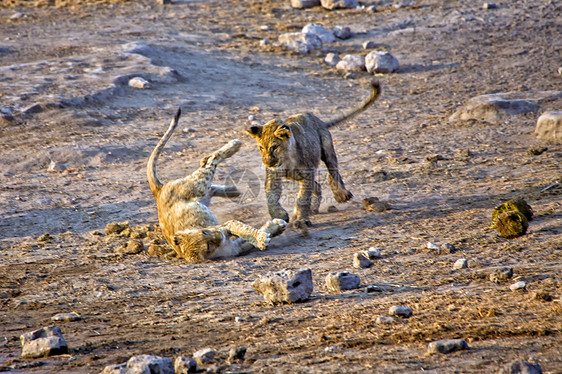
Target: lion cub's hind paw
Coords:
[(275, 227), (262, 240)]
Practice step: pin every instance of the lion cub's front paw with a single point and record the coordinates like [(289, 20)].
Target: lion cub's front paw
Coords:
[(262, 240)]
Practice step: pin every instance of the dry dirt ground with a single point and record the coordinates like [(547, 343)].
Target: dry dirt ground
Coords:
[(64, 98)]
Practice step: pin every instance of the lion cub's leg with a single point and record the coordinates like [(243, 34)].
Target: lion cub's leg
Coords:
[(273, 189), (316, 198), (304, 200), (274, 227), (334, 178), (258, 238)]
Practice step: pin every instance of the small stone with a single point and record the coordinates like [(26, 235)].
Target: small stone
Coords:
[(285, 286), (264, 42), (431, 245), (325, 35), (489, 6), (560, 70), (17, 16), (447, 346), (369, 44), (338, 4), (341, 281), (461, 263), (549, 127), (451, 248), (237, 354), (116, 228), (542, 296), (400, 311), (332, 59), (373, 204), (45, 238), (521, 367), (372, 253), (138, 82), (372, 289), (132, 247), (185, 365), (381, 62), (300, 42), (303, 4), (55, 167), (332, 209), (204, 356), (150, 364), (163, 2), (518, 286), (351, 63), (342, 32), (384, 320), (501, 275), (360, 261), (66, 317), (372, 8), (536, 150), (44, 342)]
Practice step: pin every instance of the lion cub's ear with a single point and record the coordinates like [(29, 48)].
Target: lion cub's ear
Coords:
[(255, 131), (283, 132)]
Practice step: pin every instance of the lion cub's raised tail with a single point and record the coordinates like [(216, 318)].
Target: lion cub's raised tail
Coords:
[(155, 184), (375, 92)]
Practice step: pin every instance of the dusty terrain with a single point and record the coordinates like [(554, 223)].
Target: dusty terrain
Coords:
[(64, 98)]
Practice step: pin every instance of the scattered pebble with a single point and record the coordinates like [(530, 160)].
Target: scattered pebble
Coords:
[(400, 311), (381, 62), (116, 228), (451, 248), (300, 42), (332, 59), (132, 247), (238, 319), (47, 341), (204, 356), (66, 317), (285, 286), (372, 253), (372, 289), (343, 280), (330, 349), (431, 245), (369, 44), (360, 261), (332, 209), (325, 35), (549, 127), (536, 150), (461, 263), (338, 4), (372, 8), (237, 354), (17, 16), (45, 238), (351, 63), (384, 320), (447, 346), (185, 365), (518, 286), (264, 42), (489, 6), (55, 167), (302, 4), (501, 275), (138, 82), (342, 32), (521, 367), (373, 204)]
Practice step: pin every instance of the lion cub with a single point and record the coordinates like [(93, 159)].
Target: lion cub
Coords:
[(183, 209), (293, 149)]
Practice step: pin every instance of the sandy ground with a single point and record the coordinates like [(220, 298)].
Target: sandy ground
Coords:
[(64, 68)]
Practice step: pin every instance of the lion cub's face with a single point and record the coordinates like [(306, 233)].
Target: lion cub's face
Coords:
[(273, 140), (197, 245)]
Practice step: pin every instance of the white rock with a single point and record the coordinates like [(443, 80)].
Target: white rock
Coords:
[(47, 341), (342, 32), (66, 317), (300, 42), (351, 63), (360, 261), (342, 280), (138, 82), (518, 286), (339, 4), (204, 356), (55, 167), (431, 245), (549, 127), (332, 59), (400, 311), (148, 364), (302, 4), (325, 35), (381, 62), (489, 6), (285, 286), (461, 263), (185, 365), (372, 253), (384, 320)]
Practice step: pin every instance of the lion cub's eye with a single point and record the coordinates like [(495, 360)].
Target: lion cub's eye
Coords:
[(261, 148), (274, 147)]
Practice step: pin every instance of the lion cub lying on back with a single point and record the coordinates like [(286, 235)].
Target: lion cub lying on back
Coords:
[(183, 209), (293, 149)]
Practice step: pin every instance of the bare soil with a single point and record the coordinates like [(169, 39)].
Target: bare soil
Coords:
[(64, 68)]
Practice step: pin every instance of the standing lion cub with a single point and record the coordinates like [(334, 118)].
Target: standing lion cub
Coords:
[(293, 149), (183, 209)]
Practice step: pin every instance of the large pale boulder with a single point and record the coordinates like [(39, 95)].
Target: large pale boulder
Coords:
[(339, 4), (47, 341), (498, 107), (381, 62), (324, 34), (300, 42), (549, 127)]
